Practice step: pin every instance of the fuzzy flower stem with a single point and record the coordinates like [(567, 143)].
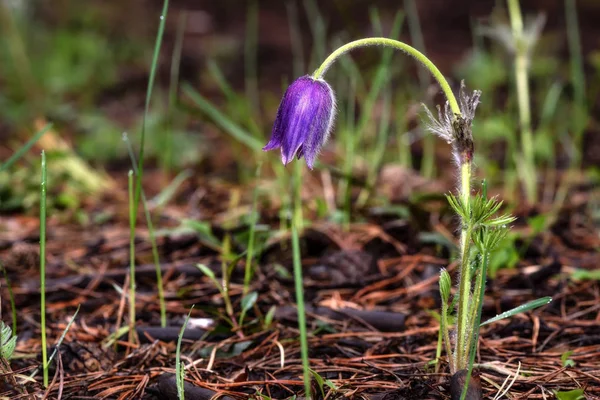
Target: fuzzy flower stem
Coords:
[(464, 285), (464, 292), (446, 334), (411, 51)]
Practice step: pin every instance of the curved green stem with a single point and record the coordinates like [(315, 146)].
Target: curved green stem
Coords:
[(411, 51), (461, 353)]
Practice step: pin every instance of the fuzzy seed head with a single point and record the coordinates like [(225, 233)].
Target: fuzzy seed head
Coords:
[(456, 129)]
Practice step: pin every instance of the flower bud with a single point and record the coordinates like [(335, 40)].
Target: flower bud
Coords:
[(304, 120)]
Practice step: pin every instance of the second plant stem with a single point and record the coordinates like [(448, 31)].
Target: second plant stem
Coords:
[(464, 285), (298, 283), (526, 166)]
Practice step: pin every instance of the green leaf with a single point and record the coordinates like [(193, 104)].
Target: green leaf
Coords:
[(457, 206), (206, 271), (8, 342), (537, 223), (222, 120), (437, 239), (565, 360), (576, 394), (504, 257), (487, 239), (167, 193), (64, 333), (397, 210), (203, 229), (19, 153), (269, 317), (438, 317), (521, 309), (500, 221), (319, 379), (248, 301), (211, 275), (585, 275), (331, 385)]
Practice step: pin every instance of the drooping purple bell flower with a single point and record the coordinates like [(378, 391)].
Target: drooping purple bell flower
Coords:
[(304, 120)]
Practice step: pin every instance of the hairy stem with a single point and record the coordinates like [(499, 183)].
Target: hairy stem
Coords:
[(300, 296), (464, 293), (476, 322), (464, 284), (446, 332), (477, 302), (411, 51)]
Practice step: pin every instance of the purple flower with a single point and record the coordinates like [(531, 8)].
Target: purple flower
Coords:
[(304, 120)]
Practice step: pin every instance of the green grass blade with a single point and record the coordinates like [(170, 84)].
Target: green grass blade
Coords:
[(318, 28), (247, 303), (174, 87), (64, 333), (132, 220), (428, 167), (550, 104), (179, 371), (577, 72), (237, 104), (43, 188), (151, 79), (248, 268), (218, 78), (299, 288), (416, 37), (19, 153), (378, 152), (169, 192), (152, 235), (344, 187), (211, 275), (222, 120), (520, 309), (295, 38)]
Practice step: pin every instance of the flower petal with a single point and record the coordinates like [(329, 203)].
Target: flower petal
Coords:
[(304, 120)]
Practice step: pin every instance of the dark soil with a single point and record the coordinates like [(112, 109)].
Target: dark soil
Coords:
[(369, 293)]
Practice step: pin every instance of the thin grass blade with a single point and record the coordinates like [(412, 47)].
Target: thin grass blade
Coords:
[(521, 309), (222, 120), (43, 188), (179, 370), (19, 153)]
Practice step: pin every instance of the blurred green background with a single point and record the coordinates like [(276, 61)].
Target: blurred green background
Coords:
[(84, 67)]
